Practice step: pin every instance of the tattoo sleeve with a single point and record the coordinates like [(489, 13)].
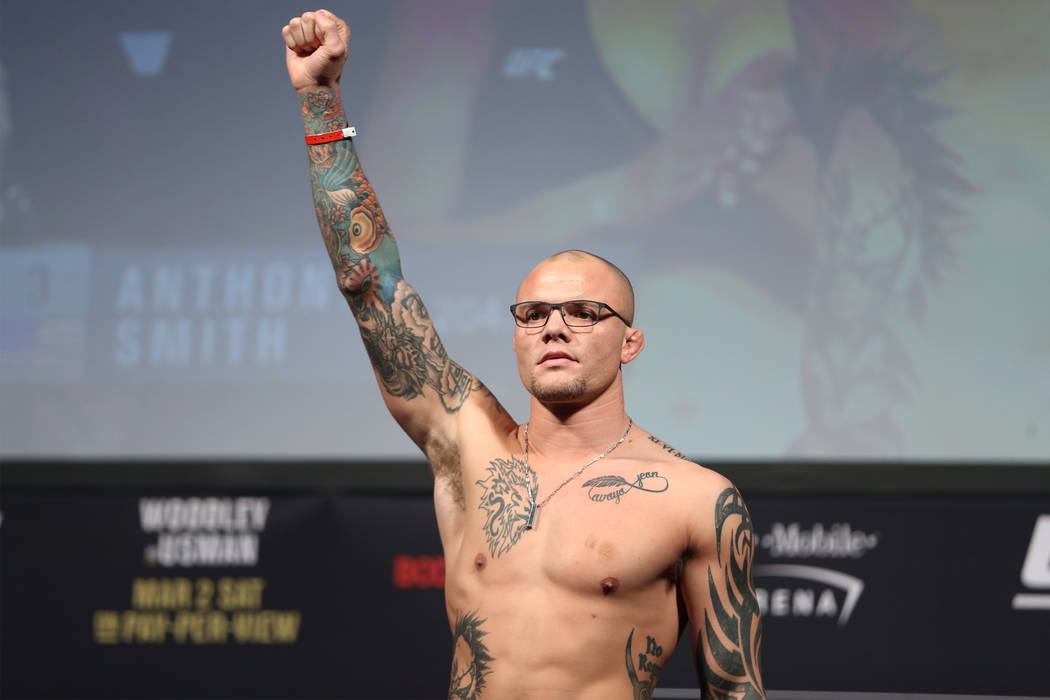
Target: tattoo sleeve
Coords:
[(397, 331), (728, 645)]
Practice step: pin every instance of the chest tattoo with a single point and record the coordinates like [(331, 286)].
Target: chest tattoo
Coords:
[(505, 501), (612, 487)]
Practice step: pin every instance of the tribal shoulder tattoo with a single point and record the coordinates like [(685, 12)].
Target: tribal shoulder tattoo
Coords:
[(395, 326), (729, 643)]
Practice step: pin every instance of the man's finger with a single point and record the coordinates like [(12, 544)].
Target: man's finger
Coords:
[(295, 28), (286, 34), (331, 34), (309, 32)]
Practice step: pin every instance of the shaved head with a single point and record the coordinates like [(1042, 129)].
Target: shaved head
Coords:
[(563, 364), (621, 294)]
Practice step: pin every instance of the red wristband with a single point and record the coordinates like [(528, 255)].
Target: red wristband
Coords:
[(348, 132)]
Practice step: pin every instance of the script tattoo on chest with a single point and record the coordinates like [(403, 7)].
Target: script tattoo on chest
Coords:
[(505, 501), (729, 648), (470, 658), (611, 487), (646, 663)]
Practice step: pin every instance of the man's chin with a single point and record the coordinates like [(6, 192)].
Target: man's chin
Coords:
[(560, 392)]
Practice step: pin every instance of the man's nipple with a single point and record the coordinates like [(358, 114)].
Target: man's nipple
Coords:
[(609, 585), (479, 561)]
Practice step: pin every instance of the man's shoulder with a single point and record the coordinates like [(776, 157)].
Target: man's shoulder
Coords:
[(697, 496), (695, 480), (667, 449)]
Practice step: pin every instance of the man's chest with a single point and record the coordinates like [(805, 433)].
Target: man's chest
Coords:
[(615, 522)]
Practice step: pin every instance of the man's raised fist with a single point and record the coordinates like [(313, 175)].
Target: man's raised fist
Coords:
[(316, 47)]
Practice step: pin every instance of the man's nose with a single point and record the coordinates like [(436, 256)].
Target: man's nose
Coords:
[(556, 326)]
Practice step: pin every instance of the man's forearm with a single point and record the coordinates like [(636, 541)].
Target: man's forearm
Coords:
[(397, 331), (357, 237)]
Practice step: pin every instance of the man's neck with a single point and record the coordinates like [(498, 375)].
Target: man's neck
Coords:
[(559, 430)]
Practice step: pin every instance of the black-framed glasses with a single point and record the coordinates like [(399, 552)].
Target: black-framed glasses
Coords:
[(576, 313)]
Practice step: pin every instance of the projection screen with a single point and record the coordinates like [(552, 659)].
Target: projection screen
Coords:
[(834, 215)]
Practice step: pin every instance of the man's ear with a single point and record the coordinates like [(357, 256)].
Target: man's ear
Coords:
[(632, 345)]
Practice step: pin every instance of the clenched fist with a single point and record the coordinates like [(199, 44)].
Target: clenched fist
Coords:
[(317, 43)]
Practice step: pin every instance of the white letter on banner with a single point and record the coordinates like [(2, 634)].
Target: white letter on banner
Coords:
[(239, 282), (127, 352), (235, 343), (269, 348), (204, 274), (314, 288), (129, 296), (1036, 570), (277, 287), (167, 288), (170, 343)]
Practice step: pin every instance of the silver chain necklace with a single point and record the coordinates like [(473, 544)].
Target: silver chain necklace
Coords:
[(533, 506)]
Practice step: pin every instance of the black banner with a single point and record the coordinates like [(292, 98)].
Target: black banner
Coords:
[(321, 594)]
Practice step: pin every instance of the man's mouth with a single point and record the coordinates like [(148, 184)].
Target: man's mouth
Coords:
[(556, 358)]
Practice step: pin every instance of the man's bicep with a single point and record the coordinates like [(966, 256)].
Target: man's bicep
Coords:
[(721, 601)]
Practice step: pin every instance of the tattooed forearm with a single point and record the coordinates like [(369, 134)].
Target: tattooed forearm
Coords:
[(667, 448), (728, 645), (505, 500), (395, 326), (470, 658), (351, 220), (645, 663), (405, 349)]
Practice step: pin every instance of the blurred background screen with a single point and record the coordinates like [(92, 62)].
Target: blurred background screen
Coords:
[(834, 215)]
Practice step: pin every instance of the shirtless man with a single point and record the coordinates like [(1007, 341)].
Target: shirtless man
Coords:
[(577, 545)]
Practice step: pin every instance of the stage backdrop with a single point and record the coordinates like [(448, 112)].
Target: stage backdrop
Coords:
[(834, 213)]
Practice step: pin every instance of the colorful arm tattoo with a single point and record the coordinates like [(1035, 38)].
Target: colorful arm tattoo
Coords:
[(355, 231), (395, 326)]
